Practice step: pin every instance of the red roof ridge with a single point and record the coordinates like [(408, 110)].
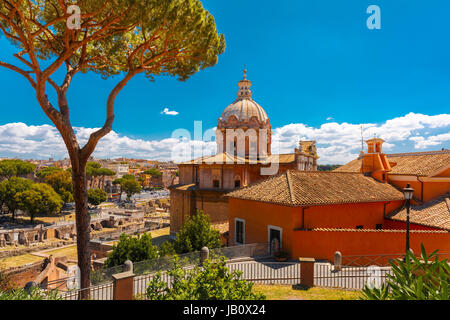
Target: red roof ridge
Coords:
[(417, 153), (377, 230), (291, 191)]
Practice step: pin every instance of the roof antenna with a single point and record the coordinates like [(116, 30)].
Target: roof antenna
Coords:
[(362, 139)]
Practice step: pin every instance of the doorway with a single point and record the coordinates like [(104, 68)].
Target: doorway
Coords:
[(275, 235)]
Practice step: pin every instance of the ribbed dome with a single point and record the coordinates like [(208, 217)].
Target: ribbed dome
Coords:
[(244, 109)]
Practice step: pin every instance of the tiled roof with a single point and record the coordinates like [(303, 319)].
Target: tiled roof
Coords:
[(221, 227), (434, 213), (299, 188), (416, 163), (226, 158)]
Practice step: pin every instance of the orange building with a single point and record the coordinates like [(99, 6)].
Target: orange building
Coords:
[(358, 209)]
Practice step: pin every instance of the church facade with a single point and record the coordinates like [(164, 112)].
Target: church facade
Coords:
[(244, 156)]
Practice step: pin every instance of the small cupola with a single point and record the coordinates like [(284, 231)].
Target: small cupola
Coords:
[(244, 87), (374, 162)]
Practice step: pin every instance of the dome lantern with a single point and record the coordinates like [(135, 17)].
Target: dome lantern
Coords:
[(244, 87)]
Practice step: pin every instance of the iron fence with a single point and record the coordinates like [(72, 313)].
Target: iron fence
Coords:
[(349, 277), (254, 271), (268, 272), (100, 292), (250, 251)]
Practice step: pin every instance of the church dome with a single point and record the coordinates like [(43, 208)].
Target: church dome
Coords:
[(244, 107), (243, 110)]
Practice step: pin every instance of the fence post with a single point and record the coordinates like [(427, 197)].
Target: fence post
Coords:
[(123, 287), (204, 255), (307, 272), (337, 261)]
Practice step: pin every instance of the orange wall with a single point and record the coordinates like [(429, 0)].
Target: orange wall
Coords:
[(323, 244), (431, 190), (258, 216), (400, 225), (347, 215)]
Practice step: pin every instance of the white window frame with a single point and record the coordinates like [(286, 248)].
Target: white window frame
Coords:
[(243, 231), (268, 235)]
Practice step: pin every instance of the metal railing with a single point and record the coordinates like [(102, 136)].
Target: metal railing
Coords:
[(253, 271), (250, 251), (100, 292), (268, 272)]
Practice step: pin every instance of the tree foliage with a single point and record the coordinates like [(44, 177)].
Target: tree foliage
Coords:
[(130, 187), (195, 234), (15, 168), (61, 182), (154, 172), (43, 173), (39, 199), (135, 249), (94, 169), (212, 281), (97, 196), (9, 188), (116, 38), (424, 278)]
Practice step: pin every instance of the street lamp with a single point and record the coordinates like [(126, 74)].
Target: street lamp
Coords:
[(408, 192)]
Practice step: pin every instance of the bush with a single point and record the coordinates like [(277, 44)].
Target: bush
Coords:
[(212, 282), (166, 249), (131, 248), (195, 234), (426, 278)]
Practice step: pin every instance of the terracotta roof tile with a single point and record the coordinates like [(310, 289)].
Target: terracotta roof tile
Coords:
[(376, 230), (298, 188), (415, 163), (221, 227), (434, 213)]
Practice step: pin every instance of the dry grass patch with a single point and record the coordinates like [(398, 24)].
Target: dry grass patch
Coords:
[(286, 292), (159, 236), (69, 252), (18, 261)]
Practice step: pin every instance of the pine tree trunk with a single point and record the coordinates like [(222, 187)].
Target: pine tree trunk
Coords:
[(83, 228)]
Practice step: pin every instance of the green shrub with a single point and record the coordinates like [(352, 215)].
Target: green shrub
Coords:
[(195, 234), (424, 278), (132, 248), (212, 282), (35, 294)]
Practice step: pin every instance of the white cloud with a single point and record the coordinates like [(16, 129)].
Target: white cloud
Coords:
[(336, 142), (431, 141), (330, 118), (170, 113)]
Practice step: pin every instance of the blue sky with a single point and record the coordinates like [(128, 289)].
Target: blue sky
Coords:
[(311, 63)]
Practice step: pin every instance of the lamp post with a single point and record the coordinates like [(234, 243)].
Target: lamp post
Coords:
[(408, 192)]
